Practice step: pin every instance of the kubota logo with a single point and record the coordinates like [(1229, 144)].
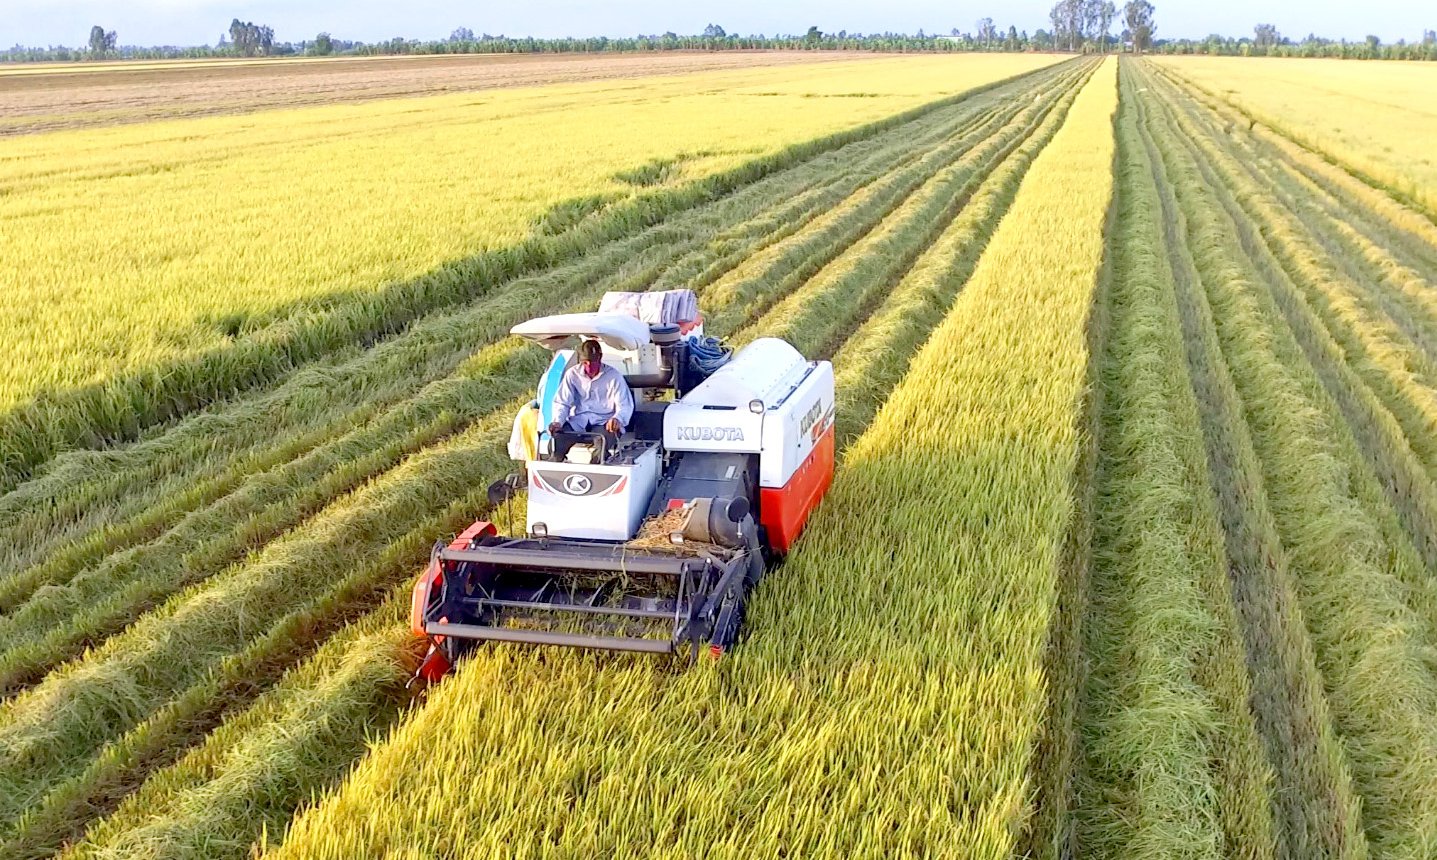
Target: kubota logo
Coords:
[(576, 483), (710, 434)]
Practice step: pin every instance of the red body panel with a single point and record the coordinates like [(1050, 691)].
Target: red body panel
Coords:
[(433, 576), (478, 528), (784, 510), (419, 597), (435, 666)]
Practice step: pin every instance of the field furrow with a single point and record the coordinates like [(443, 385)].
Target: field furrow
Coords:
[(1173, 762), (1318, 812), (1353, 574)]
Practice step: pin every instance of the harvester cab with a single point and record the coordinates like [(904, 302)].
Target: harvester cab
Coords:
[(655, 544)]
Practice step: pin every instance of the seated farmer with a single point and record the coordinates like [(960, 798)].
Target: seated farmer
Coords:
[(592, 398)]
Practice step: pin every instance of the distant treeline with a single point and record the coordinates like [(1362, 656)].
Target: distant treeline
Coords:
[(1265, 42)]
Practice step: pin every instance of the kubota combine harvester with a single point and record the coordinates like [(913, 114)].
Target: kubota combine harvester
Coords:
[(655, 544)]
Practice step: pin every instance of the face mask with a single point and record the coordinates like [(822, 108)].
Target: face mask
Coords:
[(591, 368)]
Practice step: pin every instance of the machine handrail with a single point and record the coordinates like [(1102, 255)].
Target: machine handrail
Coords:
[(559, 559), (550, 637)]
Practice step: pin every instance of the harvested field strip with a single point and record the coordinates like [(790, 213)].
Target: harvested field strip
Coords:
[(931, 736), (57, 623), (174, 461), (1387, 409), (1373, 122), (1173, 763), (1407, 231), (872, 361), (789, 264), (1396, 298), (126, 404), (1318, 811), (1363, 235), (354, 546), (136, 752), (250, 773), (1353, 577), (49, 543), (817, 317)]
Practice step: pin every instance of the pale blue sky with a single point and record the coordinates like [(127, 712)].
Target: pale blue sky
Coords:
[(187, 22)]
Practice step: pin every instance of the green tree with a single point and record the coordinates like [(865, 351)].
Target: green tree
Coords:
[(987, 33), (102, 41), (323, 45), (1138, 16), (250, 39), (1266, 36), (1106, 13)]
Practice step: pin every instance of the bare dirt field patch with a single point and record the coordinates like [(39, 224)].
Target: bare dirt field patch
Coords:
[(111, 94)]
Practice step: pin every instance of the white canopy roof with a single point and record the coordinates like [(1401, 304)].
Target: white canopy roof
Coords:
[(619, 331)]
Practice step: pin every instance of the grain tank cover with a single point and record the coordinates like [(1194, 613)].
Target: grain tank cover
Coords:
[(766, 370), (618, 331), (732, 409)]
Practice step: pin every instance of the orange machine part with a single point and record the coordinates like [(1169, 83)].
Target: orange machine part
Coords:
[(784, 510), (433, 576)]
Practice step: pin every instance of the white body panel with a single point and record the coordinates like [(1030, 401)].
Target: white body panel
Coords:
[(585, 501), (797, 398), (794, 425)]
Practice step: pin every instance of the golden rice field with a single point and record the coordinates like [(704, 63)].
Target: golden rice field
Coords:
[(152, 267), (1374, 119), (1130, 552)]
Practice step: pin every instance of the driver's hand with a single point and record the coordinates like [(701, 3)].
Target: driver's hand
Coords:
[(612, 425), (554, 428)]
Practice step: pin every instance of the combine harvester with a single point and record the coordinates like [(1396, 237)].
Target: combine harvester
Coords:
[(654, 545)]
